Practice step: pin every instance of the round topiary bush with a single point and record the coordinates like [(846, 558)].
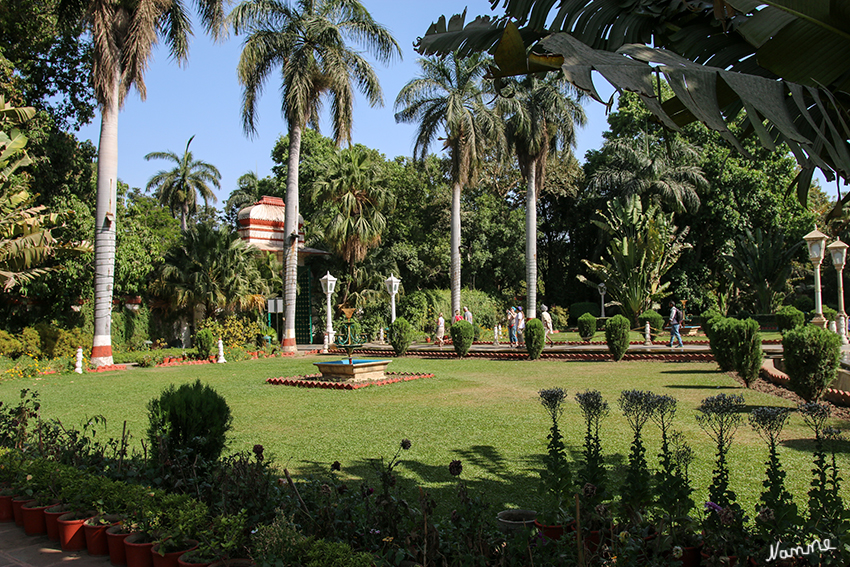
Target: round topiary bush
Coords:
[(204, 343), (586, 326), (789, 317), (812, 356), (401, 335), (656, 321), (534, 338), (462, 335), (617, 336), (193, 418)]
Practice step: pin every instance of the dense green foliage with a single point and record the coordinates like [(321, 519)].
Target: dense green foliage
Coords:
[(586, 326), (617, 336), (748, 353), (721, 337), (579, 309), (462, 336), (534, 338), (401, 335), (789, 317), (193, 418), (811, 359), (204, 343), (656, 321)]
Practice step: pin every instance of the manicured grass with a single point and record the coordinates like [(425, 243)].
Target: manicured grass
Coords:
[(565, 336), (485, 413)]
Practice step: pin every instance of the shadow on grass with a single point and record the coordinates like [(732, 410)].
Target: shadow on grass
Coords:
[(691, 372), (514, 482), (841, 447)]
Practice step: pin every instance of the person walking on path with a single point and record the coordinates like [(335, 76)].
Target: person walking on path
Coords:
[(676, 317), (547, 325), (520, 326), (467, 315), (511, 314), (441, 330)]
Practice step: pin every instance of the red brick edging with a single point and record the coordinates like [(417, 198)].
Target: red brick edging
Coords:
[(302, 381)]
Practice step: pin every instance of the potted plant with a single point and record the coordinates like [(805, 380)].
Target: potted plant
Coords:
[(95, 532), (177, 532), (593, 517), (221, 539), (556, 481)]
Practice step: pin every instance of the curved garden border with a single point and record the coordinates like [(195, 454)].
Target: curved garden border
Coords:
[(305, 382)]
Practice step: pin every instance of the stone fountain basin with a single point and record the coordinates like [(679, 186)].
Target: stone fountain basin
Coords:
[(360, 371)]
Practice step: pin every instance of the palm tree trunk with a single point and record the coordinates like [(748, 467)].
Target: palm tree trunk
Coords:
[(531, 242), (290, 227), (104, 237), (184, 214), (455, 267)]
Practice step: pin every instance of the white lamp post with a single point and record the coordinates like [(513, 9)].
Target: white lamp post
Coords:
[(815, 241), (328, 286), (392, 284), (838, 251), (603, 289)]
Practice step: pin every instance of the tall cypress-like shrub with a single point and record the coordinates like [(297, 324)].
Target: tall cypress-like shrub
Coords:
[(193, 418), (789, 317), (401, 335), (747, 350), (586, 326), (204, 343), (462, 336), (534, 338), (617, 336), (722, 340), (812, 356)]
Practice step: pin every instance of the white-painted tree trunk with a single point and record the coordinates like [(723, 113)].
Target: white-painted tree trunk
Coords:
[(104, 237), (455, 267), (531, 243), (290, 226)]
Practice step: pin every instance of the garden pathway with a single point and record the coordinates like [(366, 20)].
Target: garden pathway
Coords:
[(20, 550)]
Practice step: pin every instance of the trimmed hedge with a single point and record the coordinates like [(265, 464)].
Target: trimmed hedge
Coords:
[(617, 336), (747, 350), (401, 335), (789, 317), (586, 326), (578, 309), (204, 343), (812, 356), (462, 335), (656, 321), (534, 338)]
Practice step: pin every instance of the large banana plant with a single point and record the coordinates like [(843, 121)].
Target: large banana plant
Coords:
[(784, 64)]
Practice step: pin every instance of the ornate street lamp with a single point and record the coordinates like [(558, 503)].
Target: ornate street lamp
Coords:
[(392, 284), (603, 289), (838, 251), (328, 286), (815, 241)]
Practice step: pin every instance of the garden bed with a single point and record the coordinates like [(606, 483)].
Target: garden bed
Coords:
[(315, 381)]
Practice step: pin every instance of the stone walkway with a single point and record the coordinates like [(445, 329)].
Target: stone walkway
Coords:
[(20, 550)]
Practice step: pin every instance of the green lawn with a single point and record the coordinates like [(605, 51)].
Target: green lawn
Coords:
[(485, 413)]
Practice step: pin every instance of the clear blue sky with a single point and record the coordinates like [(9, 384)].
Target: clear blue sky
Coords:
[(203, 99)]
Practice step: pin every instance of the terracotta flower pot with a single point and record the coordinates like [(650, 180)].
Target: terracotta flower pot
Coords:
[(691, 556), (137, 552), (17, 504), (186, 560), (72, 537), (33, 516), (236, 562), (555, 531), (169, 559), (51, 520), (6, 513), (115, 543), (96, 534)]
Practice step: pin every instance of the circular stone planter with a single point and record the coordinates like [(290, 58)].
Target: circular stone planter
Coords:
[(513, 521)]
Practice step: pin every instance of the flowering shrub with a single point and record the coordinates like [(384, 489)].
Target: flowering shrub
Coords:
[(234, 331)]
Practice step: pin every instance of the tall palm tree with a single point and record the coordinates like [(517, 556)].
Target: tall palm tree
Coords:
[(178, 188), (540, 118), (307, 40), (352, 198), (448, 98), (247, 193), (123, 35), (650, 169)]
